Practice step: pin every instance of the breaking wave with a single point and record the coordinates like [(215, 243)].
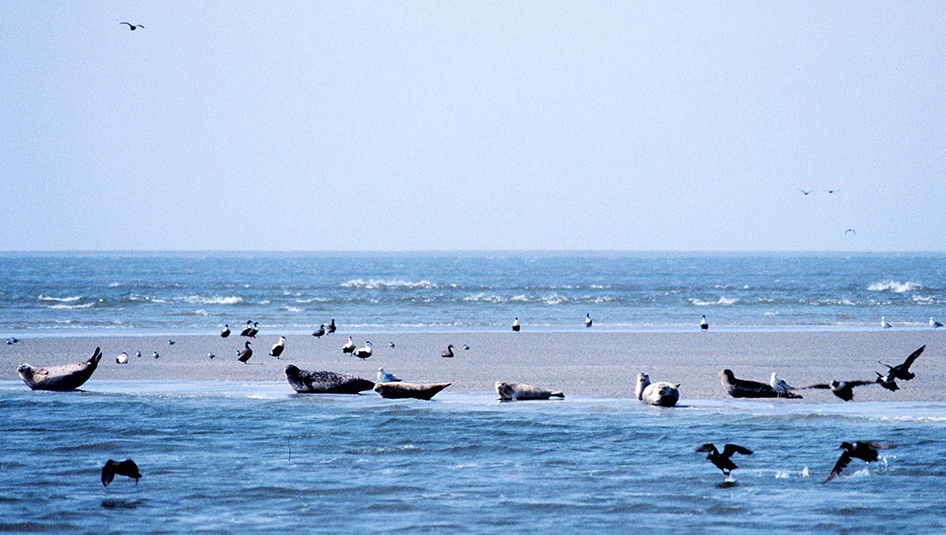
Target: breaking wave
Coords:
[(216, 300), (894, 286), (374, 284), (60, 299), (721, 301)]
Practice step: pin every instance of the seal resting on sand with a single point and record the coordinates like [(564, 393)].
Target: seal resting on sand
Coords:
[(741, 388), (65, 377), (306, 382), (518, 391), (408, 390), (661, 394)]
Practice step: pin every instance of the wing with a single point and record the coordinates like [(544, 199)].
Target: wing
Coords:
[(108, 473), (707, 448), (838, 466), (128, 23), (732, 448), (860, 383), (822, 386), (878, 446), (912, 357)]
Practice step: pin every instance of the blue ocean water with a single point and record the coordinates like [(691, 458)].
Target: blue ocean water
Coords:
[(74, 294), (257, 458)]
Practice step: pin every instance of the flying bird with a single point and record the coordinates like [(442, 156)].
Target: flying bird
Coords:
[(887, 381), (722, 460), (126, 468), (832, 190), (935, 324), (245, 355), (448, 353), (703, 324), (385, 377), (588, 320), (515, 325), (852, 231), (320, 332), (805, 192), (225, 332), (842, 389), (363, 352), (349, 346), (331, 327), (902, 371), (131, 26), (278, 347), (865, 451)]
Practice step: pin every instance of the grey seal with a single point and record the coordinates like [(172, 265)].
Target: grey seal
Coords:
[(322, 382), (408, 390), (741, 388), (65, 377), (661, 394), (518, 391)]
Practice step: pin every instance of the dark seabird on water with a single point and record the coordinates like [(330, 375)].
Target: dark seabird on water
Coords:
[(126, 468), (902, 371), (515, 325), (743, 388), (588, 320), (131, 26), (842, 389), (703, 324), (363, 352), (448, 353), (331, 327), (245, 355), (865, 451), (887, 381), (278, 347), (225, 332), (320, 332), (722, 460)]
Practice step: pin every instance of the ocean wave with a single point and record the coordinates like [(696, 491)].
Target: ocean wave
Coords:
[(483, 297), (60, 299), (721, 301), (375, 284), (288, 308), (554, 299), (926, 299), (69, 307), (894, 286), (312, 300), (136, 297), (216, 300)]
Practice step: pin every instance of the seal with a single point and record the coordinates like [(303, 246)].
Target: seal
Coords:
[(741, 388), (660, 394), (307, 382), (60, 378), (518, 391), (408, 390)]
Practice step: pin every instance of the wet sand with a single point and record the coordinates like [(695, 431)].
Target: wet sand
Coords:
[(582, 363)]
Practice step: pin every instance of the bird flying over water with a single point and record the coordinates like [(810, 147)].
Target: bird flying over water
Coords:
[(887, 381), (131, 26), (902, 371), (126, 468), (722, 460), (805, 192), (865, 451), (842, 389), (832, 190)]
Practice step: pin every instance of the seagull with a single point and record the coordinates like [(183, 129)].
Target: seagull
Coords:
[(588, 320), (349, 347), (171, 342), (866, 451), (246, 330), (122, 359), (852, 231), (391, 343), (448, 353), (883, 323), (780, 385), (211, 356), (722, 460), (842, 389), (331, 327), (887, 381), (156, 355), (466, 347), (131, 26), (225, 332), (320, 332), (805, 192), (245, 355), (126, 468), (935, 324), (515, 325), (703, 324), (385, 377), (278, 347), (902, 371), (363, 352)]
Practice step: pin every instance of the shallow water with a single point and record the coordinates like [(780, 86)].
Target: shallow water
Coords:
[(219, 457)]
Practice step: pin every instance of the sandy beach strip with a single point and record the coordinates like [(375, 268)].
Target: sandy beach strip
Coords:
[(582, 363)]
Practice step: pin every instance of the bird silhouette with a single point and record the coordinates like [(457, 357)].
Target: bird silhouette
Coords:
[(842, 389), (902, 371), (131, 26), (126, 468), (320, 332), (225, 332), (852, 231), (447, 353), (722, 460), (278, 347), (865, 451), (363, 352), (887, 381), (331, 327), (245, 355)]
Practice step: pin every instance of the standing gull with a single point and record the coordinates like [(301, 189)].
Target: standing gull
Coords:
[(935, 324), (780, 385), (385, 377), (245, 355), (883, 323), (278, 347), (363, 352)]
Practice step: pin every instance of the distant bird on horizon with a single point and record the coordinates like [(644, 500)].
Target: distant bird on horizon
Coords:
[(852, 231), (588, 320), (225, 332), (722, 460), (902, 371), (805, 192), (466, 347), (832, 190), (385, 377), (935, 324), (515, 325), (254, 331), (320, 332), (703, 324), (245, 355), (138, 354), (12, 340), (131, 26), (391, 344), (883, 323), (331, 327), (126, 468), (211, 356), (448, 353), (122, 359), (887, 381), (278, 347), (363, 352), (349, 346), (865, 451)]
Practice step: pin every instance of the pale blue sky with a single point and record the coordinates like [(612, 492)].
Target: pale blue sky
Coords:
[(473, 125)]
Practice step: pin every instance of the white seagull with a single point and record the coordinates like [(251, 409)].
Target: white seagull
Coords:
[(883, 323), (385, 377), (935, 324), (780, 385)]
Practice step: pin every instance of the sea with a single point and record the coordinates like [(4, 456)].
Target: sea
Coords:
[(73, 294), (255, 457)]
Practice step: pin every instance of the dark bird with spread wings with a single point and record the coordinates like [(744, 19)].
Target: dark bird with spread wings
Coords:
[(865, 451), (902, 371), (842, 389), (131, 26), (722, 460), (126, 468)]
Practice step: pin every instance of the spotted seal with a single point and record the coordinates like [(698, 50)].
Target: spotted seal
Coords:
[(660, 394), (60, 378), (518, 391), (408, 390), (322, 382)]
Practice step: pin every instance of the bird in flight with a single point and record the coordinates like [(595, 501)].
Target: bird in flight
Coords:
[(131, 26), (852, 231), (805, 192), (902, 371), (866, 451), (722, 460), (833, 190)]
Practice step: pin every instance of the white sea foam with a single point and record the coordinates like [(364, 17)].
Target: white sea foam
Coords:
[(69, 307), (216, 300), (721, 301), (61, 299), (554, 299), (290, 309), (312, 300), (483, 297), (374, 284), (114, 285), (894, 286)]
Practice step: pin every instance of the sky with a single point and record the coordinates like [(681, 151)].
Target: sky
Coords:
[(477, 125)]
